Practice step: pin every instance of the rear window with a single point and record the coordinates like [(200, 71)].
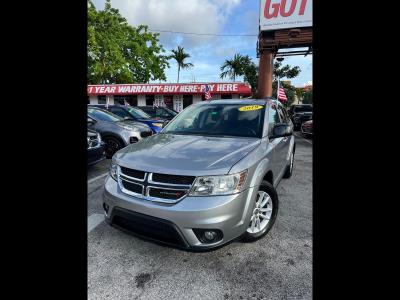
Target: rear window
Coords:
[(303, 109), (102, 115)]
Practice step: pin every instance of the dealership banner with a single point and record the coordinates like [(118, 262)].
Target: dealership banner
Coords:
[(281, 14), (175, 89)]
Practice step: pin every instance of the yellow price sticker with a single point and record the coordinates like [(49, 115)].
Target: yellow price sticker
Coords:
[(250, 107)]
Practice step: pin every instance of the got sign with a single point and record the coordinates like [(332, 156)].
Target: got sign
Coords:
[(280, 14)]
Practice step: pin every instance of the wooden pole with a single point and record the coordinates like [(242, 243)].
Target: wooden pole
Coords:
[(266, 69)]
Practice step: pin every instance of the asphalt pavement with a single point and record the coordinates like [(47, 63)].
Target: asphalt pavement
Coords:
[(279, 266)]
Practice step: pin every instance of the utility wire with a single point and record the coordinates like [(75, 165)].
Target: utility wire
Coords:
[(194, 33)]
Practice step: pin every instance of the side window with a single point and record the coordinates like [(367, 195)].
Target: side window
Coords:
[(282, 115), (120, 112), (273, 118)]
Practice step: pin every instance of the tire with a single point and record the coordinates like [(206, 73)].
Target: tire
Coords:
[(289, 168), (112, 145), (270, 191)]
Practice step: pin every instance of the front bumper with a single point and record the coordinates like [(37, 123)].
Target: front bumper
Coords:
[(230, 214), (96, 155)]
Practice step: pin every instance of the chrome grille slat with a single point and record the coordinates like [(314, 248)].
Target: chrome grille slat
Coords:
[(148, 184)]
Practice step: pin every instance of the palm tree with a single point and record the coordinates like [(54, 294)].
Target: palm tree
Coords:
[(233, 67), (179, 55)]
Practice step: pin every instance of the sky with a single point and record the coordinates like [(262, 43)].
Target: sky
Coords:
[(208, 53)]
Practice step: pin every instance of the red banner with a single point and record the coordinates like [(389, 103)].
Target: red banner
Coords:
[(173, 89)]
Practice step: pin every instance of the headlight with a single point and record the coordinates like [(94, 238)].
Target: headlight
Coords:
[(114, 170), (218, 185), (157, 124)]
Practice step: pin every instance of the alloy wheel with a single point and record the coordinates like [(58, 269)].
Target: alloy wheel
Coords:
[(261, 214)]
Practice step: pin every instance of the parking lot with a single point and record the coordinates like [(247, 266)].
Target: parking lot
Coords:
[(279, 266)]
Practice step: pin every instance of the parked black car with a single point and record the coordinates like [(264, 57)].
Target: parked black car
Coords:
[(95, 147), (159, 112), (135, 114), (116, 132), (307, 128), (300, 113)]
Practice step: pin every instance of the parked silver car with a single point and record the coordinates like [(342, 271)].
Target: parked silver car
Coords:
[(115, 131), (208, 178)]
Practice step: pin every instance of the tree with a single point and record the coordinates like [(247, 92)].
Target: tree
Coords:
[(234, 67), (307, 97), (118, 52), (250, 73), (285, 71), (180, 55)]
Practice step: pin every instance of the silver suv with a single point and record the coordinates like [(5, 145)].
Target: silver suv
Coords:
[(207, 179)]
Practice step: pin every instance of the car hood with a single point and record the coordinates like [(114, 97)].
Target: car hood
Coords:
[(185, 154), (134, 124)]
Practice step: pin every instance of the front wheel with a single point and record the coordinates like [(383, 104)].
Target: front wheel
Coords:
[(264, 213), (112, 145)]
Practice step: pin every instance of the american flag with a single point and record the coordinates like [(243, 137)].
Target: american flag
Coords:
[(207, 94), (281, 94)]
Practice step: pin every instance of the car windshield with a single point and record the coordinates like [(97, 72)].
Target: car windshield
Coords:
[(103, 115), (219, 120), (138, 113), (171, 112), (303, 108)]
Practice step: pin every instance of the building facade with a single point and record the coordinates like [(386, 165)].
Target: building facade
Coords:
[(174, 96)]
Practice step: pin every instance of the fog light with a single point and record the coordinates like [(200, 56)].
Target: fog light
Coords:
[(210, 235)]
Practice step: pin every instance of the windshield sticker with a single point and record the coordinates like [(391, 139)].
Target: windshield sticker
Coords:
[(250, 107)]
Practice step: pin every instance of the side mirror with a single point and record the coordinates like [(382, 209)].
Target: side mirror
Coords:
[(90, 121), (281, 130)]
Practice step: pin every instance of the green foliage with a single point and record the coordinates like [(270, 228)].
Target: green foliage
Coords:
[(243, 65), (285, 71), (120, 53), (180, 55), (308, 98), (250, 71), (234, 67)]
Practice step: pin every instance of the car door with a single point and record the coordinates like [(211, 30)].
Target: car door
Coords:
[(284, 144), (274, 143)]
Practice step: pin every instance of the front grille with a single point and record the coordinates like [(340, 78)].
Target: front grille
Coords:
[(173, 179), (133, 187), (132, 173), (166, 193), (155, 187), (144, 134), (148, 227)]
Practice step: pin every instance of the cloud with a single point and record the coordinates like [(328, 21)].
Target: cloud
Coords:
[(198, 16)]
